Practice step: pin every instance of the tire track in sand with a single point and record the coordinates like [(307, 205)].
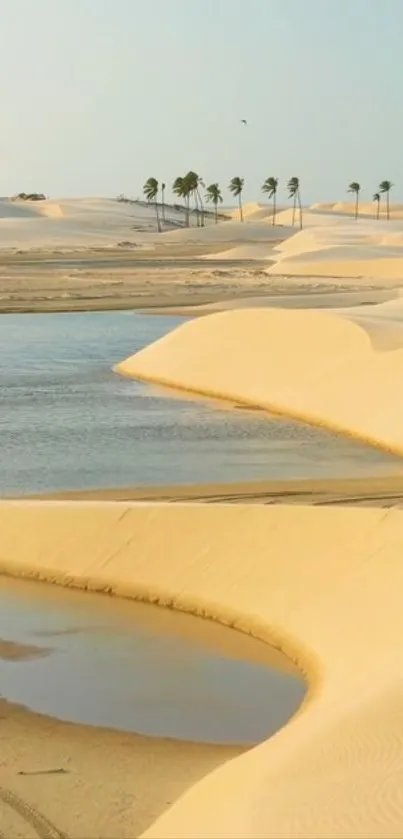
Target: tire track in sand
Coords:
[(42, 826)]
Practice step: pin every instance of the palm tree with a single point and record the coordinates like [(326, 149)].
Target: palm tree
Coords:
[(163, 188), (295, 193), (236, 186), (181, 188), (213, 196), (385, 187), (355, 189), (194, 182), (377, 199), (150, 190), (270, 188)]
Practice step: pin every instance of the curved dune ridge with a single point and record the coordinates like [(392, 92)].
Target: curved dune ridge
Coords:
[(330, 374), (322, 584), (332, 243), (79, 223), (367, 248)]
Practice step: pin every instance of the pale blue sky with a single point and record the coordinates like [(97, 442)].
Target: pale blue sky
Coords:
[(97, 95)]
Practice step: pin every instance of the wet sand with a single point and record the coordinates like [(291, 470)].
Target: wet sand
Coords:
[(73, 789), (177, 283), (384, 491), (104, 284)]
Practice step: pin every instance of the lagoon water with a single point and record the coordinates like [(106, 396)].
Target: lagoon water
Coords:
[(109, 662), (68, 422)]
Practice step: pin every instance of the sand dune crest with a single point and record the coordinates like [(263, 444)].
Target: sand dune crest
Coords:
[(329, 374)]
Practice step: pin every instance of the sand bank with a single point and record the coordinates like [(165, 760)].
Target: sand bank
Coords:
[(162, 286), (120, 282), (322, 584), (87, 254), (379, 491), (286, 298), (345, 249), (337, 371), (58, 780)]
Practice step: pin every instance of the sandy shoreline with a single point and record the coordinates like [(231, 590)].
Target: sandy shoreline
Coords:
[(155, 285), (93, 796), (309, 563), (100, 288), (313, 568), (384, 491)]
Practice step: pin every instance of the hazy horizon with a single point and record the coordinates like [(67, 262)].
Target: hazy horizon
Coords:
[(100, 96)]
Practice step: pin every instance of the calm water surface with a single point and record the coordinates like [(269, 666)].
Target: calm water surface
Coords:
[(67, 421), (108, 662)]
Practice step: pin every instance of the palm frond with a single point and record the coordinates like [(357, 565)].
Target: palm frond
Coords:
[(236, 186), (213, 194), (293, 187), (354, 187), (270, 186), (150, 188)]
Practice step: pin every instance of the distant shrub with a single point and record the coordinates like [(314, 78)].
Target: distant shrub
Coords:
[(31, 196)]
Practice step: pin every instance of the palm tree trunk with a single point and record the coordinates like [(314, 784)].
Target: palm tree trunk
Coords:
[(216, 212), (387, 205), (157, 214), (356, 206), (201, 206), (274, 208), (300, 209), (293, 210), (196, 208), (378, 209), (187, 205), (163, 202), (240, 206)]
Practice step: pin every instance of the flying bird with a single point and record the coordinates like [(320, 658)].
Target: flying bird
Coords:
[(244, 121)]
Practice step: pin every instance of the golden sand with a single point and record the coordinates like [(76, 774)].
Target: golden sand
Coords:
[(323, 584), (341, 371), (60, 780)]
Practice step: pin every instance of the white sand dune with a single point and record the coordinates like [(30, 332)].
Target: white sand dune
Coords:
[(255, 240), (322, 206), (349, 245), (79, 223), (332, 243), (345, 263), (365, 208), (18, 209), (98, 222), (364, 249), (314, 365), (250, 252), (351, 234), (249, 210), (228, 232), (253, 211), (322, 584), (310, 218), (336, 301)]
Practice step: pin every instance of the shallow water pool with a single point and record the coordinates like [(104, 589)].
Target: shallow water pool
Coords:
[(104, 661)]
